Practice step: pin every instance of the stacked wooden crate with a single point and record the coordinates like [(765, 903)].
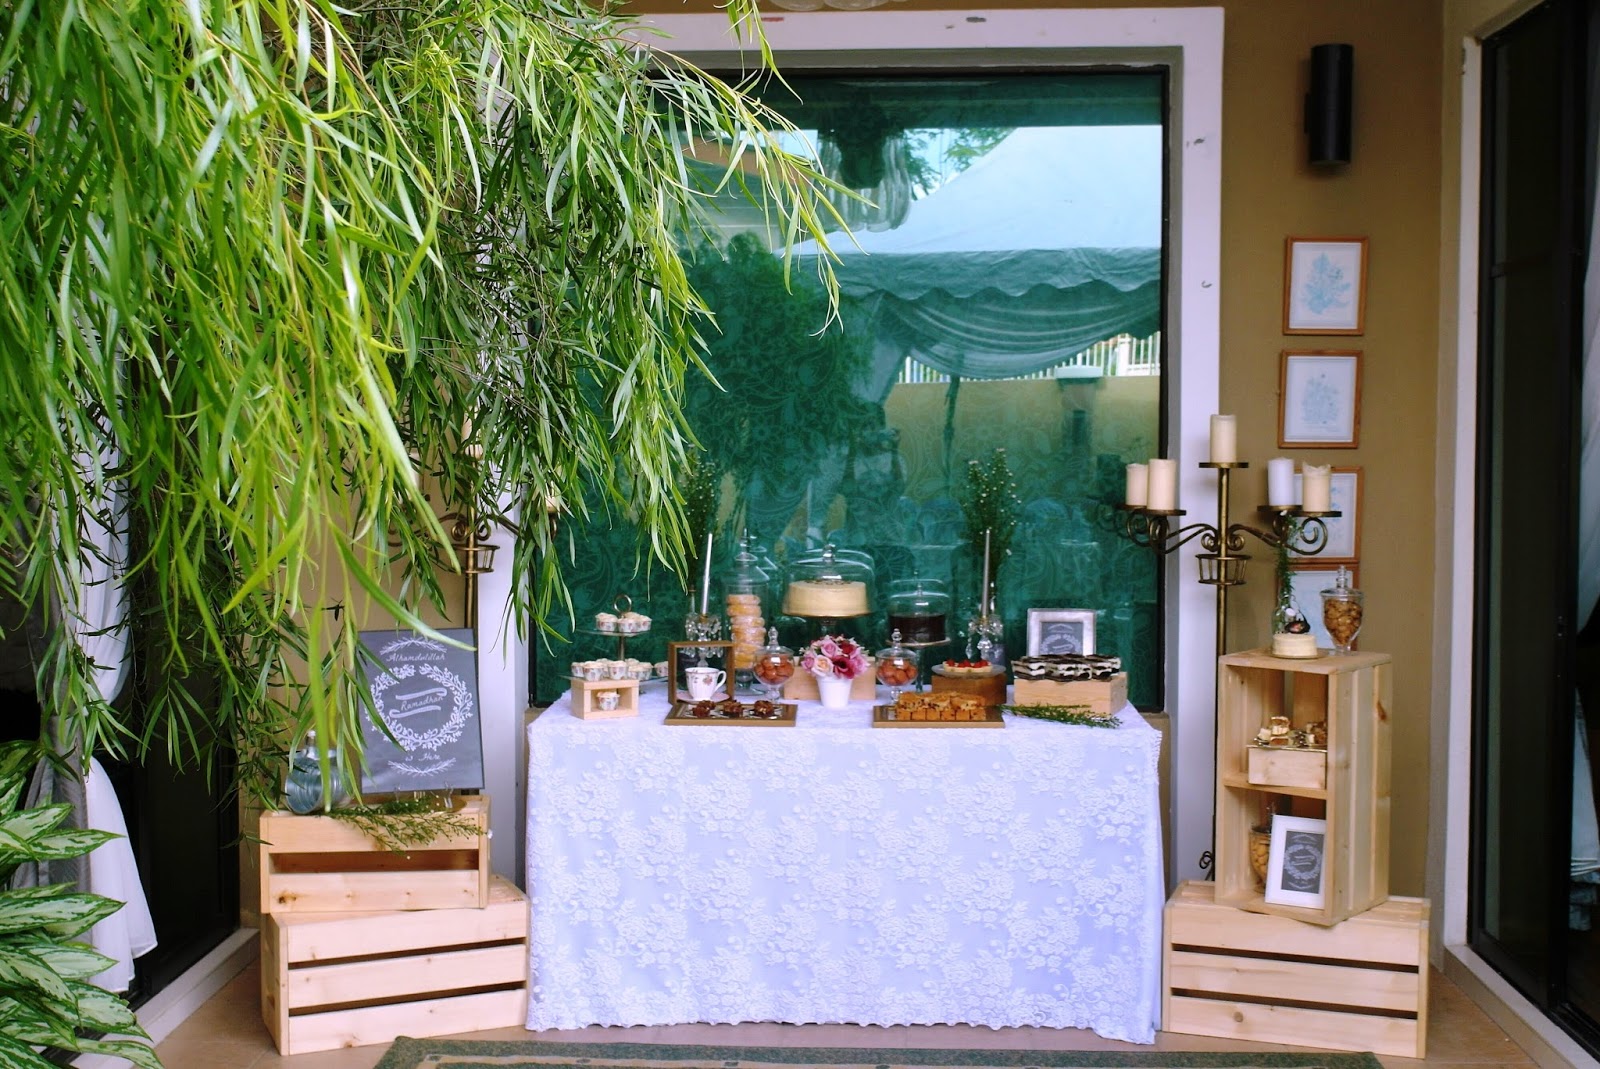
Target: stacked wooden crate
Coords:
[(1350, 973), (360, 944)]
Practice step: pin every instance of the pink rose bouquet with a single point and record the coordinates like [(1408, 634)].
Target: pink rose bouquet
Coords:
[(834, 655)]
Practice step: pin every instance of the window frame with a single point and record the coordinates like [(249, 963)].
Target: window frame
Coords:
[(1188, 41)]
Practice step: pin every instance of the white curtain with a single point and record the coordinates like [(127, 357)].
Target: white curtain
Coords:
[(99, 623)]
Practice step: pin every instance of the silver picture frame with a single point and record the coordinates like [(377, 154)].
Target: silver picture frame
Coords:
[(1060, 631)]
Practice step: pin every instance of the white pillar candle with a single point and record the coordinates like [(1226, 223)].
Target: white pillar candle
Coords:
[(1280, 482), (1163, 495), (1224, 440), (1138, 490), (1316, 490)]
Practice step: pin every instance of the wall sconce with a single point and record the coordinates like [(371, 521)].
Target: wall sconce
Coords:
[(1328, 104)]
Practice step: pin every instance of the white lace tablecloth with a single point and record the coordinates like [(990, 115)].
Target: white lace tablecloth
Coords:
[(833, 872)]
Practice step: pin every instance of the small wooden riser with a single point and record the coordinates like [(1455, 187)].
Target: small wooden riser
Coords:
[(1258, 1023)]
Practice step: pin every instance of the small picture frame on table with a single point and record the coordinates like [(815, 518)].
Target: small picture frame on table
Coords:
[(1060, 631), (1325, 285), (1297, 870), (1306, 584), (682, 656), (1344, 530), (1319, 399)]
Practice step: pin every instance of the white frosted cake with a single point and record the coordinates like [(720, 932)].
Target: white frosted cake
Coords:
[(1300, 646), (829, 599)]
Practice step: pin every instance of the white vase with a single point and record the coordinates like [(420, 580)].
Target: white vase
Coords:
[(834, 691)]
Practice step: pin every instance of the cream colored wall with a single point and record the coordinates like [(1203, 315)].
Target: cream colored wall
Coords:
[(1390, 194)]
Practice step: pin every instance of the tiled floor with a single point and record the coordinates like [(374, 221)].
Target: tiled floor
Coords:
[(227, 1033)]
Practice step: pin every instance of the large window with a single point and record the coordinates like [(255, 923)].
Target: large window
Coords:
[(1007, 293)]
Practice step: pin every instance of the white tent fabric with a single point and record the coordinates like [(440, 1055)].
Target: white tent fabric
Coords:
[(1047, 244)]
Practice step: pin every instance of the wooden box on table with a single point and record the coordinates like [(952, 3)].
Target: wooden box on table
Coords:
[(1104, 697), (331, 980), (319, 864), (1359, 985), (586, 698)]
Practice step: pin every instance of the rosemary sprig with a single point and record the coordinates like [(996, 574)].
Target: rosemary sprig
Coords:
[(403, 823), (1065, 714)]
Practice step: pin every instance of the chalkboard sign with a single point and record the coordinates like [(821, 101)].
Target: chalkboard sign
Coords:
[(426, 692)]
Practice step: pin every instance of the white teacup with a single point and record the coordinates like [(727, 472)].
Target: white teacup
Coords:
[(704, 682)]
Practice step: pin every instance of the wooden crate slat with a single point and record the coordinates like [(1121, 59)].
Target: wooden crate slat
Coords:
[(1389, 938), (380, 1024), (417, 974), (323, 864), (1346, 986), (338, 891), (1299, 1027), (309, 937)]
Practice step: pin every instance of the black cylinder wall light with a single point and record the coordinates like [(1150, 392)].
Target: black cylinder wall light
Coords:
[(1328, 103)]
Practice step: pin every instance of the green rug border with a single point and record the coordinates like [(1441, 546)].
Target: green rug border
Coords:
[(405, 1052)]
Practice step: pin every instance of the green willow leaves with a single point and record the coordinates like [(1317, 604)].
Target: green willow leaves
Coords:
[(267, 261)]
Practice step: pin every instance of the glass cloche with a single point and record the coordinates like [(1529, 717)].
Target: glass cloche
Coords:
[(918, 610), (829, 586), (745, 590)]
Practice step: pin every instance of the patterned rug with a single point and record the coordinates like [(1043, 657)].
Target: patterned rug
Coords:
[(468, 1054)]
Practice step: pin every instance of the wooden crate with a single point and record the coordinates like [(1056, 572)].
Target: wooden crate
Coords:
[(1358, 985), (586, 698), (331, 980), (1353, 694), (317, 864), (1105, 697)]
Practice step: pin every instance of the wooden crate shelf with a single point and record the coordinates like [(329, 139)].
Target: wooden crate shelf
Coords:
[(1353, 695), (1358, 985), (319, 864), (331, 980), (586, 698)]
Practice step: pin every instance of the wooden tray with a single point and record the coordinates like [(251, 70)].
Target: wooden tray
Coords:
[(883, 717), (679, 714)]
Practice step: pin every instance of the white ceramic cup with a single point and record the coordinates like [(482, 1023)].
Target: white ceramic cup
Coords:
[(704, 682)]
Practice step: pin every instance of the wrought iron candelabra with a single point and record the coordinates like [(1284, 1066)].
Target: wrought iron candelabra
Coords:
[(1223, 560)]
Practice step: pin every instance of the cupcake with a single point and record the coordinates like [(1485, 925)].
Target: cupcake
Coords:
[(605, 621)]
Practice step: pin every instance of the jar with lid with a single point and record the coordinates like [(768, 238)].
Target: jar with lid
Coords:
[(918, 609), (773, 665), (302, 787), (745, 589), (897, 666), (1342, 611)]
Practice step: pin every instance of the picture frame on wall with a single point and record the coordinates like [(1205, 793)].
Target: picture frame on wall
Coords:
[(1325, 285), (1319, 399), (1344, 530), (1060, 631), (1306, 584), (1297, 870)]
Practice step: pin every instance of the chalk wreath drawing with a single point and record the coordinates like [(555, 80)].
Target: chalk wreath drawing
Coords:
[(421, 692)]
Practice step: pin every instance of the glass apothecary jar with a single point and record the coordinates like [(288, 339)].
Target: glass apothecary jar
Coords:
[(897, 666), (1343, 611), (774, 665)]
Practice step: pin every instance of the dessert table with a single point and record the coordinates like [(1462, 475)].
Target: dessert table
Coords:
[(833, 872)]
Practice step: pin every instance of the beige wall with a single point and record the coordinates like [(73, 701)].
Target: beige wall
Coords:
[(1390, 194)]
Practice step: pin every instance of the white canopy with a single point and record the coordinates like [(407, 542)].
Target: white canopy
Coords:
[(1047, 244)]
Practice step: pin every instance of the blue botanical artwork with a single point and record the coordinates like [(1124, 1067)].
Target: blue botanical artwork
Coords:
[(1321, 403), (1325, 290)]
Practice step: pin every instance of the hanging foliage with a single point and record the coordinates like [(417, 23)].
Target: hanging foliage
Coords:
[(269, 263)]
